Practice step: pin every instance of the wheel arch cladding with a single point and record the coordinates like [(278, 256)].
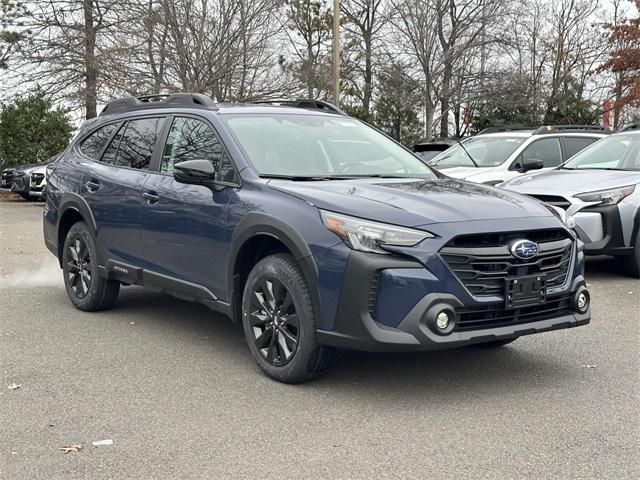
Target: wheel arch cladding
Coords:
[(73, 209), (257, 236)]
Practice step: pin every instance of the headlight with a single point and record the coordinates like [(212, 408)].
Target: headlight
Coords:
[(568, 220), (368, 236), (607, 197)]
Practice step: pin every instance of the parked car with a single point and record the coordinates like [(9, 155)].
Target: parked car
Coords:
[(600, 189), (8, 175), (427, 150), (30, 183), (499, 154), (309, 227)]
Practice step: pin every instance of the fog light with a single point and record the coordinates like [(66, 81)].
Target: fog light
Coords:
[(442, 320), (582, 301)]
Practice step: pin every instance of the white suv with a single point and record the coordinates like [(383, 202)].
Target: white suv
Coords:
[(499, 154)]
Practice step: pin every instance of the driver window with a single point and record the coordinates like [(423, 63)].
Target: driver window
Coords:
[(547, 150), (193, 139)]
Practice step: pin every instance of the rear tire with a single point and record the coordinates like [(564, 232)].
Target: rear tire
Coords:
[(85, 288), (26, 197), (497, 343), (279, 324)]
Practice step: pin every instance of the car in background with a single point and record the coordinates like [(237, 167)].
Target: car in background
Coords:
[(427, 150), (499, 154), (29, 182), (8, 175), (600, 188)]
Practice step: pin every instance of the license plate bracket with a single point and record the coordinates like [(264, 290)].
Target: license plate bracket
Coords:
[(525, 291)]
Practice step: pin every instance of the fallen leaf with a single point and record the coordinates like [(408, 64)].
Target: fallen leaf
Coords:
[(74, 447), (14, 386)]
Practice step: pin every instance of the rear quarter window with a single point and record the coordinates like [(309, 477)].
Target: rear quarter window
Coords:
[(94, 144)]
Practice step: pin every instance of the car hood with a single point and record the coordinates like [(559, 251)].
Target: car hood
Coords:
[(571, 182), (412, 202)]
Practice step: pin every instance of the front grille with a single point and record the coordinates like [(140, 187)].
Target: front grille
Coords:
[(494, 316), (483, 262), (36, 178), (553, 200)]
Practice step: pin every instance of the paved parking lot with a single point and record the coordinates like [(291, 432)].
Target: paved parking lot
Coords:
[(173, 385)]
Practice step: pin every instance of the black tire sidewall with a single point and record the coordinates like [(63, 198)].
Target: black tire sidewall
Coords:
[(87, 302), (284, 268)]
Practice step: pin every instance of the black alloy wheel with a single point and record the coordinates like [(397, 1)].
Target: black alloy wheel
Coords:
[(274, 321), (79, 267)]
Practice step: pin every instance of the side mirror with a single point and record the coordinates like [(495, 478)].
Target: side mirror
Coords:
[(531, 164), (195, 172)]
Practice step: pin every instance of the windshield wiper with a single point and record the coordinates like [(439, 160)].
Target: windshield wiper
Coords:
[(301, 178), (475, 164)]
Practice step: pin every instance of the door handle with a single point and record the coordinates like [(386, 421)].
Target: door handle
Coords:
[(92, 185), (151, 197)]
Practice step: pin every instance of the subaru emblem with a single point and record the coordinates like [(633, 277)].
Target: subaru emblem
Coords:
[(524, 249)]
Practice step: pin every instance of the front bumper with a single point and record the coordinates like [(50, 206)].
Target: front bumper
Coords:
[(416, 292), (601, 229)]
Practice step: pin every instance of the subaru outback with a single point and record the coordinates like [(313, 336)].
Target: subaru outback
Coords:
[(311, 228)]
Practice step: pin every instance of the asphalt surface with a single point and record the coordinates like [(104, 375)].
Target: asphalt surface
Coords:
[(173, 386)]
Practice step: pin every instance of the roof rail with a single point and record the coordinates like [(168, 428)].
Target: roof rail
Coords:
[(573, 129), (160, 100), (504, 129), (631, 126), (307, 103)]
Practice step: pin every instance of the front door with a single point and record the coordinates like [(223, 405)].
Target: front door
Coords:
[(185, 228)]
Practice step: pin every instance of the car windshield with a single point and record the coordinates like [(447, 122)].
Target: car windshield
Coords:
[(486, 151), (326, 146), (615, 152)]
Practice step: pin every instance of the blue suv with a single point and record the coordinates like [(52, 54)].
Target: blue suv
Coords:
[(310, 227)]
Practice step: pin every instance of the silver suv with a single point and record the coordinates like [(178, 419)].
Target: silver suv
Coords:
[(499, 154), (600, 189)]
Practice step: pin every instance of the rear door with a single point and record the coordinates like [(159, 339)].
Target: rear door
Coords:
[(186, 229), (113, 189)]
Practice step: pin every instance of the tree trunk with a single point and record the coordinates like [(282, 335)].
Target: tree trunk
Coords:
[(91, 74), (617, 103), (445, 99), (368, 76), (428, 120)]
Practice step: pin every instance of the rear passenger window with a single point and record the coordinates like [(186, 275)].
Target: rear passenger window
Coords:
[(94, 144), (132, 147), (573, 145)]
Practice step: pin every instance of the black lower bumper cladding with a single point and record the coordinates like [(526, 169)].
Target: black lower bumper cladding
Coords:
[(356, 329)]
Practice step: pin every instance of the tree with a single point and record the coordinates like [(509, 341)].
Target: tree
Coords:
[(309, 29), (506, 104), (396, 110), (364, 21), (32, 130), (10, 35), (624, 62)]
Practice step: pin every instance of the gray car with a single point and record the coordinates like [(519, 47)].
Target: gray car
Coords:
[(600, 188)]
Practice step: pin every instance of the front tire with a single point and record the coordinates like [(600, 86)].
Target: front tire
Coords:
[(278, 321), (85, 288), (632, 262)]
